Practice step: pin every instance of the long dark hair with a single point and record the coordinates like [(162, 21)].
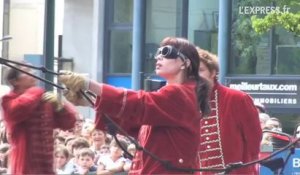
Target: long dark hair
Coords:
[(190, 51)]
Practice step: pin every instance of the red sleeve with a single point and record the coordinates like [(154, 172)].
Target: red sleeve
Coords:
[(250, 125), (66, 118), (173, 105), (18, 108), (129, 127)]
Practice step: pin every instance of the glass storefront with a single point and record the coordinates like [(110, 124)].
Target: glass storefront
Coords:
[(272, 53)]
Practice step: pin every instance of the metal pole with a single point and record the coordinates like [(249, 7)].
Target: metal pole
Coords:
[(224, 37), (5, 32), (138, 38), (5, 45), (49, 40)]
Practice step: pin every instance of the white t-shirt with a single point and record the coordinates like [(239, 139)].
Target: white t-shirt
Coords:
[(108, 162)]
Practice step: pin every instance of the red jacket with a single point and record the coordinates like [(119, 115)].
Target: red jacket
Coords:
[(30, 123), (231, 133), (167, 123)]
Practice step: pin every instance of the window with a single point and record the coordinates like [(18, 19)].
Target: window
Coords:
[(203, 24), (287, 53), (123, 11), (164, 18), (120, 51), (119, 36)]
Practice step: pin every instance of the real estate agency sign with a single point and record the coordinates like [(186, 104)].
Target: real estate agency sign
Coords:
[(273, 92)]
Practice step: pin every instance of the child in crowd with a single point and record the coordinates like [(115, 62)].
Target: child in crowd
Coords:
[(87, 129), (77, 144), (4, 152), (59, 140), (86, 161), (61, 158), (114, 161), (69, 143), (104, 150), (98, 139), (131, 149)]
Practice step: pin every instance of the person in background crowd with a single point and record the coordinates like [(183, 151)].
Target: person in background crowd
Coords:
[(263, 118), (61, 158), (87, 129), (3, 133), (160, 119), (59, 140), (266, 143), (274, 124), (78, 125), (30, 116), (77, 144), (260, 107), (4, 154), (69, 144), (114, 161), (86, 162), (98, 139), (297, 134), (131, 148), (276, 137), (104, 150), (65, 133), (233, 120), (3, 91)]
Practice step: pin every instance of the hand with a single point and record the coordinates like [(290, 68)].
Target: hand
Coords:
[(73, 81), (76, 98), (52, 98)]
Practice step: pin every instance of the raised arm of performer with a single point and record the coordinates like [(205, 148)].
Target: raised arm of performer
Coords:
[(168, 119), (30, 116)]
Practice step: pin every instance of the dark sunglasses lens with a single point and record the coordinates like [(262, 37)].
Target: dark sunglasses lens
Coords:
[(169, 52), (165, 51)]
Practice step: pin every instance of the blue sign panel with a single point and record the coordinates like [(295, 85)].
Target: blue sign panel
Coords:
[(292, 166)]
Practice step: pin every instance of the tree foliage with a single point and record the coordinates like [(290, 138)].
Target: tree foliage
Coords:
[(289, 20), (248, 44)]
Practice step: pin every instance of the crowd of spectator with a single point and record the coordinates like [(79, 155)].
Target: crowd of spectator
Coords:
[(81, 150), (274, 137), (86, 150)]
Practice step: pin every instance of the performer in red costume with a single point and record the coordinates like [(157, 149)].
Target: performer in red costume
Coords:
[(167, 121), (30, 116), (232, 131)]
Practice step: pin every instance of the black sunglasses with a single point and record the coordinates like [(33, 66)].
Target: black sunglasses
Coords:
[(169, 52)]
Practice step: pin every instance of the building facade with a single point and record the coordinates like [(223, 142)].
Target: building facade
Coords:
[(265, 66), (100, 37)]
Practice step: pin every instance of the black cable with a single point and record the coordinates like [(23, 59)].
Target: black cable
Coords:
[(273, 154), (291, 152), (165, 163), (34, 76), (41, 68)]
